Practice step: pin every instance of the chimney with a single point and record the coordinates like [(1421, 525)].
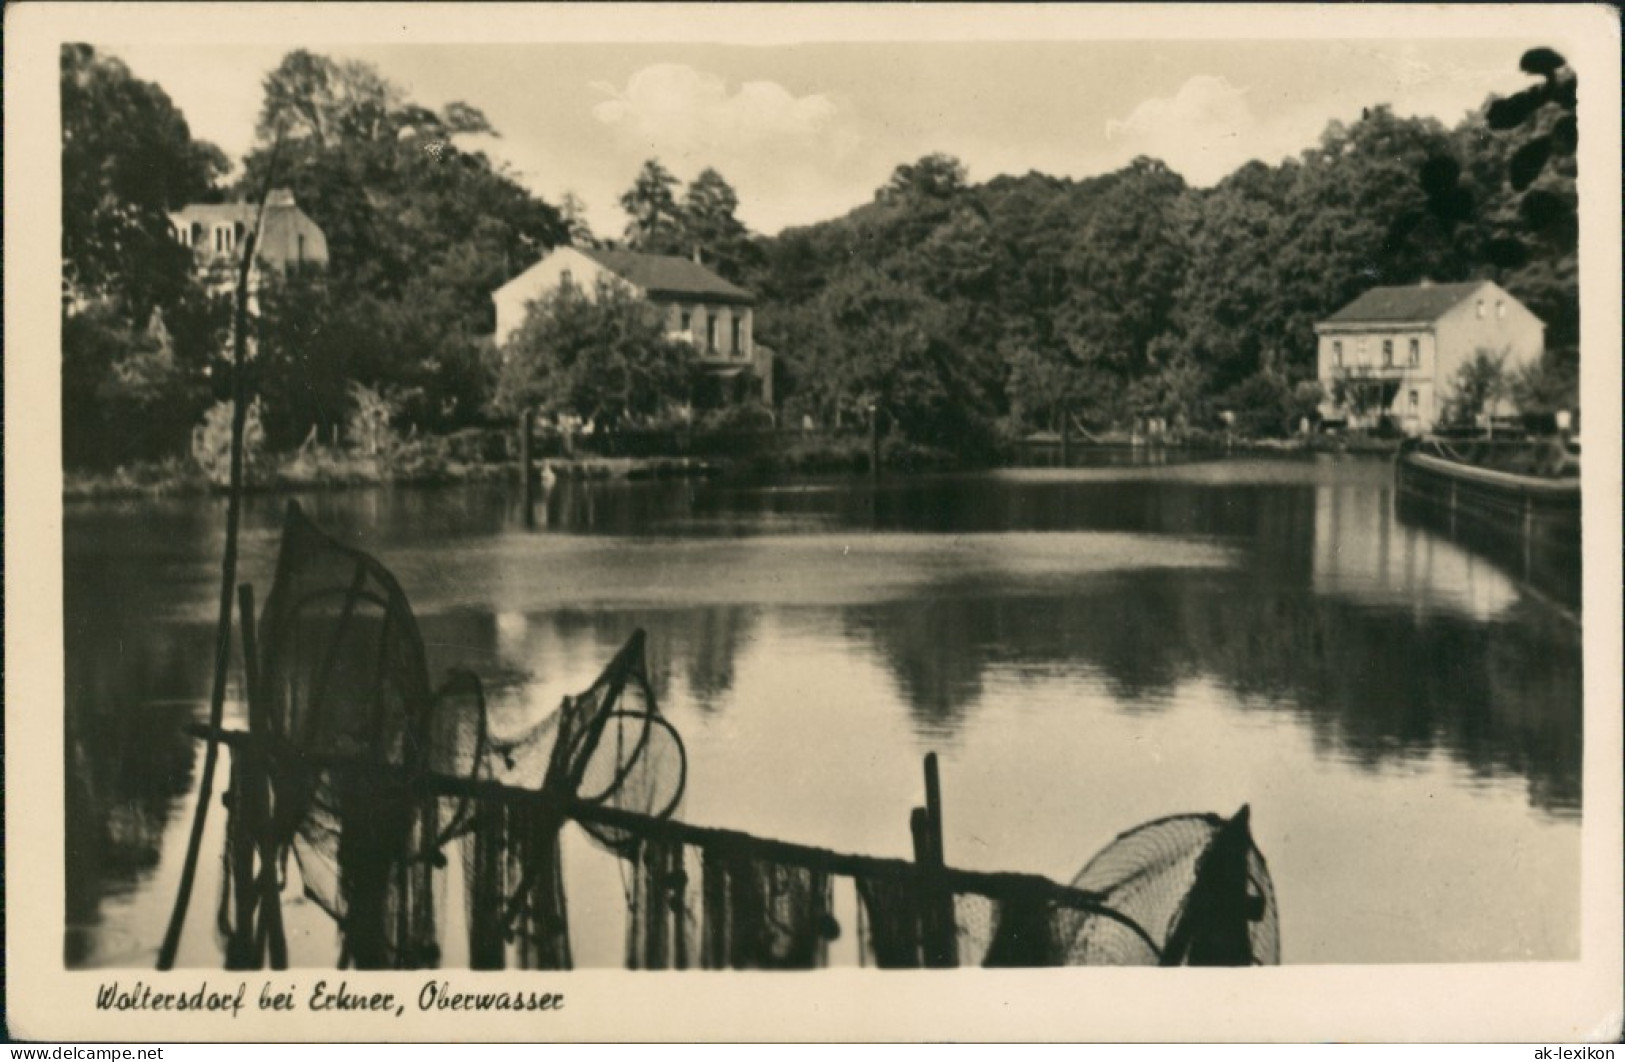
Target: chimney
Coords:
[(279, 197), (697, 255)]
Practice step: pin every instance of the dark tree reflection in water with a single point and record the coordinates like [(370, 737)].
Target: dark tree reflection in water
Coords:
[(1085, 648)]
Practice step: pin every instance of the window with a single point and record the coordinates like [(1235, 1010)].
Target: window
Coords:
[(738, 350), (687, 322), (1500, 310), (223, 238), (1388, 353), (1481, 309), (1416, 352), (300, 251), (710, 331), (567, 279), (1337, 353)]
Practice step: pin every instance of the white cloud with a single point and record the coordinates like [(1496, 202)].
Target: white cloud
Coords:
[(783, 153), (684, 112), (1204, 131)]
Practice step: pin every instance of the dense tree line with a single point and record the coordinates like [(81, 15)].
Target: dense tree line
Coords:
[(1025, 299), (419, 232), (958, 314)]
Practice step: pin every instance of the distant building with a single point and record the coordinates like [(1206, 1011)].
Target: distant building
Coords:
[(698, 306), (1396, 351), (215, 234)]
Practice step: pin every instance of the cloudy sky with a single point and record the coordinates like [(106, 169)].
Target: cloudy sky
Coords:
[(806, 132)]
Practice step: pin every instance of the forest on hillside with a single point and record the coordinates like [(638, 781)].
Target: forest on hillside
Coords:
[(966, 314)]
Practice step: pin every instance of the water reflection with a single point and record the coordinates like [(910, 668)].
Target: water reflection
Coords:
[(791, 624)]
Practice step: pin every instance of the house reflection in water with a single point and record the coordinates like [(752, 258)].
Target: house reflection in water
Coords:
[(1363, 552)]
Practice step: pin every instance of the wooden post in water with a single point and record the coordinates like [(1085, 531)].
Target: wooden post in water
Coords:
[(874, 439), (268, 934), (240, 396), (525, 498), (245, 826), (933, 806), (1528, 534), (938, 936)]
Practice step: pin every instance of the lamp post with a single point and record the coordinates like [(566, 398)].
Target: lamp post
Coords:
[(874, 438)]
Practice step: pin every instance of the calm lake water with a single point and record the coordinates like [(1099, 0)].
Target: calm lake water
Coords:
[(1085, 649)]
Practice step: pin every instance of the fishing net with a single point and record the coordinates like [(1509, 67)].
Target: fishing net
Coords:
[(374, 773), (1184, 890), (1194, 886), (725, 905)]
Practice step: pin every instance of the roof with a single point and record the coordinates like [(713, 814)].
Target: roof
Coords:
[(212, 212), (1420, 302), (278, 199), (664, 274)]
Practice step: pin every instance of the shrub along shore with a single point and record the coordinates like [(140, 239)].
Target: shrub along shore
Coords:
[(432, 462)]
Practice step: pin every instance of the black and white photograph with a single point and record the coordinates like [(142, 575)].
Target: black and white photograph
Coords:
[(836, 505)]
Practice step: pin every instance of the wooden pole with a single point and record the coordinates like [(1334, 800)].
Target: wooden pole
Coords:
[(874, 439), (933, 806), (269, 935), (936, 938), (940, 897), (525, 496)]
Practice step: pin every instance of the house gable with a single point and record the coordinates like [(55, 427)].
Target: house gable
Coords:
[(513, 299)]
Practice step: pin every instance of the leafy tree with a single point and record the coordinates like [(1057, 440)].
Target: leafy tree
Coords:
[(573, 213), (1125, 266), (1546, 386), (709, 225), (128, 158), (656, 221), (892, 352), (1511, 176), (935, 176), (303, 358), (419, 232), (1476, 387), (603, 357), (138, 334), (132, 393), (326, 101)]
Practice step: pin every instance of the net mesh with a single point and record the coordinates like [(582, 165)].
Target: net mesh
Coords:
[(1185, 890), (344, 697), (1195, 885)]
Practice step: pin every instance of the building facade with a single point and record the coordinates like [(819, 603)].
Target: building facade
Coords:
[(1395, 351), (215, 233), (696, 305)]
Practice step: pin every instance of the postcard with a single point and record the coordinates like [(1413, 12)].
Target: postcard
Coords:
[(813, 522)]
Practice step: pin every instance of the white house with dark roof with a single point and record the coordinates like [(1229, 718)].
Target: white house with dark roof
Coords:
[(1399, 348), (698, 306)]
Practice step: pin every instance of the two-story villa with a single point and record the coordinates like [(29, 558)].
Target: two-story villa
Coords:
[(1401, 348), (215, 233), (698, 306)]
